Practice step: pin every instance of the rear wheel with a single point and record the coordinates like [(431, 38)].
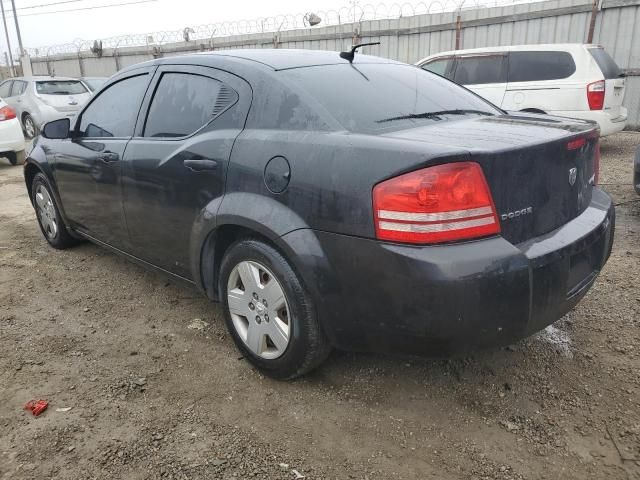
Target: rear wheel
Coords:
[(30, 128), (49, 219), (268, 313)]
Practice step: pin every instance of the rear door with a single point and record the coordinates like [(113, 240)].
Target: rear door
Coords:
[(485, 74), (176, 165), (88, 165), (614, 80)]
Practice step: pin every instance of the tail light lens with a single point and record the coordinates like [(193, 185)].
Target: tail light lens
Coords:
[(7, 113), (438, 204), (595, 95)]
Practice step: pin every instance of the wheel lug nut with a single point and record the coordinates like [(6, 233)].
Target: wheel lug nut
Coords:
[(255, 296), (266, 317), (264, 302), (258, 319), (251, 306)]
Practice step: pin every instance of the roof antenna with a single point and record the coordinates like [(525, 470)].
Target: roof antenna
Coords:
[(350, 55)]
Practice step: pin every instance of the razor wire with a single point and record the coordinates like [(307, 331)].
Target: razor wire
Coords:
[(351, 14)]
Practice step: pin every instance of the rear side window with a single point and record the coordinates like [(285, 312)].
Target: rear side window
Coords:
[(609, 67), (5, 89), (114, 111), (535, 66), (60, 87), (440, 66), (184, 102), (480, 69), (18, 88)]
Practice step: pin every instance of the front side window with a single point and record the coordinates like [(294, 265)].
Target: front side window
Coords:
[(184, 102), (381, 97), (439, 66), (60, 87), (479, 70), (5, 89), (114, 112), (536, 66)]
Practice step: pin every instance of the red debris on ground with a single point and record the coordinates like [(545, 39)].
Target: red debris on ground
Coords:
[(36, 406)]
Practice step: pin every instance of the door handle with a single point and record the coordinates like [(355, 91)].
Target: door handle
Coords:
[(109, 157), (200, 165)]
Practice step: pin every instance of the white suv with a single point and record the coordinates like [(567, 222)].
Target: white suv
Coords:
[(569, 80)]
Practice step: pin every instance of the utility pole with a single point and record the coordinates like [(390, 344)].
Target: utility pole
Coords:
[(6, 32), (15, 17)]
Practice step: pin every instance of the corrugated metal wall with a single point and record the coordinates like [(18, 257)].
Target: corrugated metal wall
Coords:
[(409, 39)]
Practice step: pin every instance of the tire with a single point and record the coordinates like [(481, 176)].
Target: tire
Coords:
[(17, 158), (30, 127), (48, 214), (292, 317)]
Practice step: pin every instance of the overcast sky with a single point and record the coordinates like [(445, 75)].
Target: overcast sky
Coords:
[(55, 28)]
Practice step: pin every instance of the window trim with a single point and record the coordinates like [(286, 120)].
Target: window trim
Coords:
[(504, 70), (138, 72), (156, 84)]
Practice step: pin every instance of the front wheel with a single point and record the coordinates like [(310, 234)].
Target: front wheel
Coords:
[(268, 312), (49, 219)]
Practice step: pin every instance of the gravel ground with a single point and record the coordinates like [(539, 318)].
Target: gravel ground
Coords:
[(155, 393)]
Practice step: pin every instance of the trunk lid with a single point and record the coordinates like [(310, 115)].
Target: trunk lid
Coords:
[(540, 169)]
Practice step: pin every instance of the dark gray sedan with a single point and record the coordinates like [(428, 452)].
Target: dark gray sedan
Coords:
[(328, 201)]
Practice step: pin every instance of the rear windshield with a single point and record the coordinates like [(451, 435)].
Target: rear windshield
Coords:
[(376, 97), (60, 87), (609, 67)]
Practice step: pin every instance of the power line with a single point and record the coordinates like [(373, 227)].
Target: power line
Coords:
[(95, 7)]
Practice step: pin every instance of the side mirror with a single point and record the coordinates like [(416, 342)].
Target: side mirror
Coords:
[(57, 129)]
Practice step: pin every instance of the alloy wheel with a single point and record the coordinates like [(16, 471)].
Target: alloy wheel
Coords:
[(29, 127), (46, 212), (259, 309)]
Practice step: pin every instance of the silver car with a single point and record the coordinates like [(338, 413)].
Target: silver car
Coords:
[(38, 100)]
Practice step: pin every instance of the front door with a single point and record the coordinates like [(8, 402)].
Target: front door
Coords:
[(176, 165), (88, 165)]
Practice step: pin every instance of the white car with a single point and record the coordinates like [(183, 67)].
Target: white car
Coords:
[(41, 99), (569, 80), (12, 142)]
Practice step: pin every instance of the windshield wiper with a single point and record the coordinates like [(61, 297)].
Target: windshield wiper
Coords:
[(435, 114)]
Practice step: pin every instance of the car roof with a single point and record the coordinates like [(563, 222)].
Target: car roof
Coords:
[(562, 47), (283, 59), (41, 78)]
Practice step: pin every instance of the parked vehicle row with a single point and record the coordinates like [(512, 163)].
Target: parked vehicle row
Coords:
[(569, 80), (426, 221)]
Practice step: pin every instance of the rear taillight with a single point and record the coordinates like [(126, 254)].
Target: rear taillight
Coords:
[(595, 95), (438, 204), (7, 113)]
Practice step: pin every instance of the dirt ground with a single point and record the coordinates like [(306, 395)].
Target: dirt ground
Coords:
[(155, 393)]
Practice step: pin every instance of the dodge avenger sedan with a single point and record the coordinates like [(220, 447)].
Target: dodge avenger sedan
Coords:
[(331, 201)]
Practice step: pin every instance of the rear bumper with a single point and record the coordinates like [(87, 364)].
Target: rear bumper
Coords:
[(609, 124), (11, 137), (636, 171), (376, 296)]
